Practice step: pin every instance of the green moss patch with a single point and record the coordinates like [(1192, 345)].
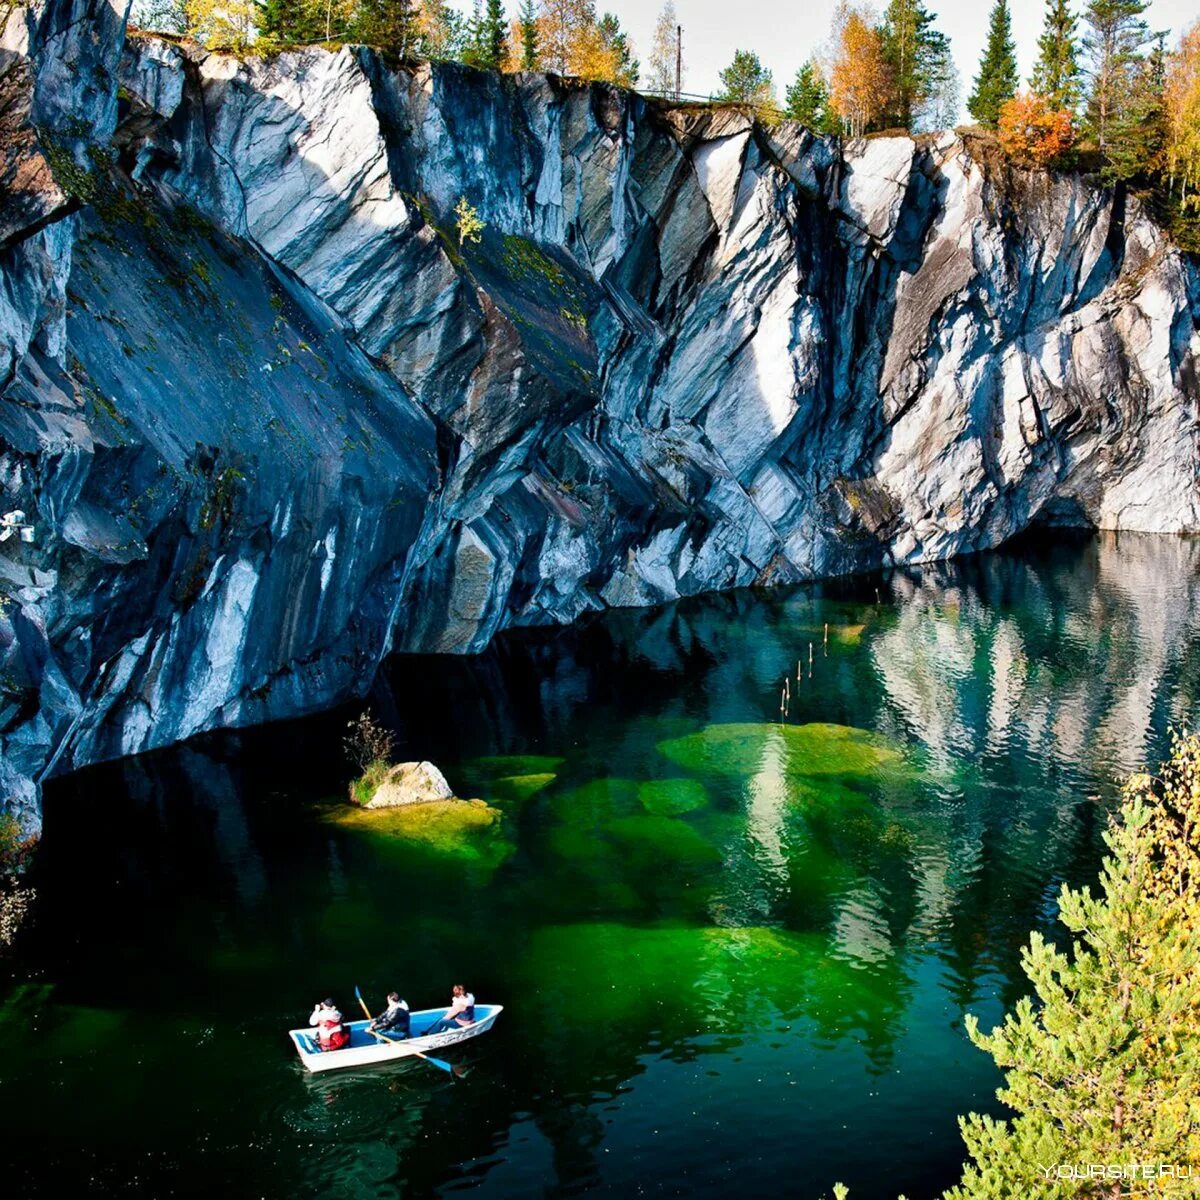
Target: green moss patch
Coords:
[(646, 841), (623, 974), (507, 779), (498, 765), (794, 750), (670, 797), (467, 829)]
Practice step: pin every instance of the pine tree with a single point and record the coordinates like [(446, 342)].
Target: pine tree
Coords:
[(1056, 72), (1112, 46), (625, 68), (1105, 1067), (529, 36), (495, 39), (911, 46), (997, 79), (391, 25), (1137, 134), (747, 81), (807, 99)]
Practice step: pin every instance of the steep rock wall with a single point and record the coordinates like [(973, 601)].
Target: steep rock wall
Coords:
[(271, 421)]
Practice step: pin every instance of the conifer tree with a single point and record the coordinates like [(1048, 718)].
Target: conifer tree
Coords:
[(1056, 72), (1112, 47), (392, 25), (624, 69), (528, 28), (911, 48), (1137, 132), (997, 79), (495, 35), (807, 99), (747, 81), (1105, 1067)]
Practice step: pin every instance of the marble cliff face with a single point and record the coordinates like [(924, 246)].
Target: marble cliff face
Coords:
[(270, 420)]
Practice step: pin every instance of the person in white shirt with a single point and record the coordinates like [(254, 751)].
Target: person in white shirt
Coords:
[(460, 1013), (331, 1033)]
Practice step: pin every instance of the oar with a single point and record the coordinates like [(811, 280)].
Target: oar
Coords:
[(437, 1062)]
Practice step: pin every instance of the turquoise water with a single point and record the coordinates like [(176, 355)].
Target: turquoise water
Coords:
[(735, 948)]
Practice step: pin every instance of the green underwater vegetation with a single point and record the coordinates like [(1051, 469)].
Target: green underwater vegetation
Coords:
[(801, 751), (471, 831)]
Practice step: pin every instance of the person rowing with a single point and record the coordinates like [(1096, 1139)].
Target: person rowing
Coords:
[(332, 1034), (460, 1013), (394, 1019)]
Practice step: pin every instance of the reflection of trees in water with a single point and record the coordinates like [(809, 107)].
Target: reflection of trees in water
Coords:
[(1034, 682)]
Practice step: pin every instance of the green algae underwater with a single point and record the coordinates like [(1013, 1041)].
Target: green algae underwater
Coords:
[(735, 947)]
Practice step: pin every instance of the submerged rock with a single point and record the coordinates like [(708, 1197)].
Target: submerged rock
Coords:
[(410, 783), (468, 832), (271, 422)]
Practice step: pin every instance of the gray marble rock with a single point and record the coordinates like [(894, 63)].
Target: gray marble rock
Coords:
[(410, 783), (273, 421)]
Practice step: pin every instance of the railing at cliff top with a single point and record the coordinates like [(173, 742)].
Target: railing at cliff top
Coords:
[(674, 95)]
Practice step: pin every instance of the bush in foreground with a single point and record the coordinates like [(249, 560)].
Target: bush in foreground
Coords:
[(1102, 1067)]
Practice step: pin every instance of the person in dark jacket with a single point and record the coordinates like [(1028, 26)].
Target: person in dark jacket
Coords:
[(394, 1019)]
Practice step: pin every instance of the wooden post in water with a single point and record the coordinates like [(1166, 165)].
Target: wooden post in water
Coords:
[(810, 660), (825, 641), (799, 669)]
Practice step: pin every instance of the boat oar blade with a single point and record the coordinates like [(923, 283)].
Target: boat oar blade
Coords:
[(359, 997)]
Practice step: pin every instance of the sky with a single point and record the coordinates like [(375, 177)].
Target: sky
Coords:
[(785, 35)]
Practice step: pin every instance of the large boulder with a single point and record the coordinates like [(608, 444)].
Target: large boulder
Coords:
[(410, 783)]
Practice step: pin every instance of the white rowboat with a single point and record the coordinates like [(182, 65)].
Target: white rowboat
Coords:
[(365, 1050)]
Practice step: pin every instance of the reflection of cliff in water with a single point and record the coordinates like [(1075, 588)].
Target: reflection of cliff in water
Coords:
[(850, 919), (1080, 652)]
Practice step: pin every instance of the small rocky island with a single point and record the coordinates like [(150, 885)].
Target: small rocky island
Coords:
[(413, 802)]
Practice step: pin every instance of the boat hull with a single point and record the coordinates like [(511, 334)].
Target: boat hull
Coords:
[(365, 1050)]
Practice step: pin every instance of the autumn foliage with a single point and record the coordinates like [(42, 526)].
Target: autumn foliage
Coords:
[(860, 83), (1032, 132), (1182, 108)]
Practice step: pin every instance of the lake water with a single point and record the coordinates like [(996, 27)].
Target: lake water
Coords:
[(735, 948)]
